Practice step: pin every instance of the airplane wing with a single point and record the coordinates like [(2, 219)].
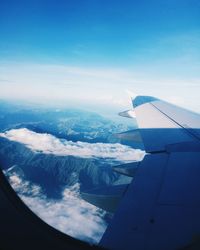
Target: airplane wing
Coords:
[(161, 207)]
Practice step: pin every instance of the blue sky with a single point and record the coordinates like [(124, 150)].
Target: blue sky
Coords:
[(91, 51)]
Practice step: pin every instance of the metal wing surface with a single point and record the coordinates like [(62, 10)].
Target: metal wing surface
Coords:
[(162, 124), (161, 207)]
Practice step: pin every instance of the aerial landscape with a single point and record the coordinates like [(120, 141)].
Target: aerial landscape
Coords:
[(68, 68), (48, 155)]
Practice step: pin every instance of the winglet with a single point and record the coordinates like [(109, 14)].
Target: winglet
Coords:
[(139, 100)]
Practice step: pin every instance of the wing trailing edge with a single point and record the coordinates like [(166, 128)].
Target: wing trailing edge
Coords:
[(106, 198), (131, 135), (129, 169)]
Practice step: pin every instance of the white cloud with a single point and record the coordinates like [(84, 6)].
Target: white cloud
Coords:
[(71, 214), (49, 144)]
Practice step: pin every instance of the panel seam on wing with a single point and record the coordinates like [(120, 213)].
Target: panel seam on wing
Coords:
[(181, 126)]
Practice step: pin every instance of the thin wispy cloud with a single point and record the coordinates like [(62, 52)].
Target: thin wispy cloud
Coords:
[(70, 215), (90, 86)]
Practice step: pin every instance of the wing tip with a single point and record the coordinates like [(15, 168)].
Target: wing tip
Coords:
[(140, 100)]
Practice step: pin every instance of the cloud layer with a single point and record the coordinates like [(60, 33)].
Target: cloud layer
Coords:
[(49, 144), (71, 214)]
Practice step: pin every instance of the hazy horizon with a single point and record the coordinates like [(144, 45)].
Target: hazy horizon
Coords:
[(88, 53)]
